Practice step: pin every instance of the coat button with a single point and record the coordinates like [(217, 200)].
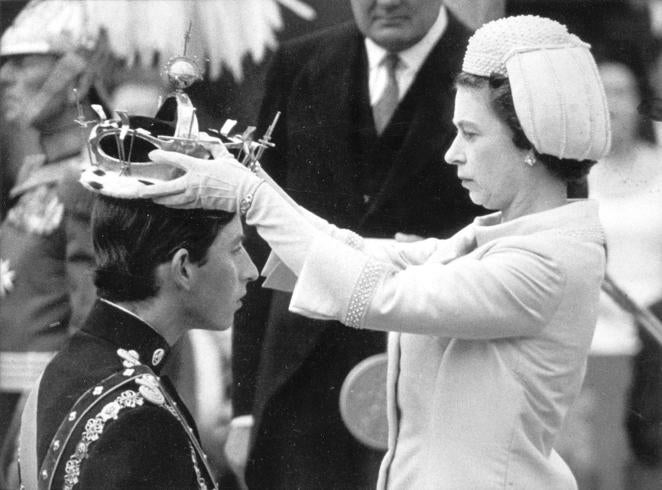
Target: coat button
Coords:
[(157, 357)]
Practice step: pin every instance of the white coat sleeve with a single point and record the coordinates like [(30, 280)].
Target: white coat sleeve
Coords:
[(510, 291), (401, 255)]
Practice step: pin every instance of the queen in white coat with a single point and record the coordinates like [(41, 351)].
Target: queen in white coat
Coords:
[(492, 326)]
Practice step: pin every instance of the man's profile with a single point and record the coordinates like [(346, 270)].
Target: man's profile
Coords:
[(103, 417)]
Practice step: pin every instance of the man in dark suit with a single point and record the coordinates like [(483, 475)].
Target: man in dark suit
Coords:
[(360, 142)]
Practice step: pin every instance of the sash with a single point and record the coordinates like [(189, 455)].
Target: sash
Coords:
[(35, 477)]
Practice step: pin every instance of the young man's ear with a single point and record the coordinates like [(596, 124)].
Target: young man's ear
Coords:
[(181, 269)]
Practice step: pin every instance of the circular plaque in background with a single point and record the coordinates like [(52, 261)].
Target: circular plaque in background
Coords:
[(363, 402)]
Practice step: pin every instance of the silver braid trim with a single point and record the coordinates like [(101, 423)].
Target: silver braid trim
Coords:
[(93, 430)]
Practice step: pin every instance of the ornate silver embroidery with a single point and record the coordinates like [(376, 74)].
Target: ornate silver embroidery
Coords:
[(365, 286), (130, 358), (202, 484), (93, 430)]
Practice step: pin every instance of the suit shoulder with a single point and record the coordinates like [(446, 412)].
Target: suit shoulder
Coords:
[(458, 29), (330, 38)]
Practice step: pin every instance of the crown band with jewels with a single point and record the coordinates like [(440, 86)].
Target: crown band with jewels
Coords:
[(119, 148)]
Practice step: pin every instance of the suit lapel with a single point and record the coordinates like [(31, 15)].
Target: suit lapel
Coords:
[(426, 109), (346, 118)]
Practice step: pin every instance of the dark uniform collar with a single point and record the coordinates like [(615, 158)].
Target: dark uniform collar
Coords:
[(128, 332)]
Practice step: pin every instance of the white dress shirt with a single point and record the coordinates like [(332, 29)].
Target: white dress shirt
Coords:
[(411, 60)]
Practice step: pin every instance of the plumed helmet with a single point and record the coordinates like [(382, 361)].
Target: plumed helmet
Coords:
[(63, 29), (91, 35), (557, 92), (49, 27), (138, 30)]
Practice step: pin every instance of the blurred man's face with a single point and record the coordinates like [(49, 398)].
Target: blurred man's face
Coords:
[(21, 80), (395, 25), (622, 99), (220, 282)]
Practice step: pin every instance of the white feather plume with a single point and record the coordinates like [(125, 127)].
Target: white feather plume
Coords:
[(224, 31)]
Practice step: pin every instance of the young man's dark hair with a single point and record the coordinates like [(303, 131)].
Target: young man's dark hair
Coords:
[(132, 237)]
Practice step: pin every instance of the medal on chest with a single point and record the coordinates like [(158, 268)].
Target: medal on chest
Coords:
[(38, 211), (6, 278)]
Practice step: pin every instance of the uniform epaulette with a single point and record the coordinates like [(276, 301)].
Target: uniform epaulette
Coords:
[(129, 388)]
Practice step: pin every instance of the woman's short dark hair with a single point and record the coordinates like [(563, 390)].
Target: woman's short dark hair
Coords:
[(566, 169), (133, 237)]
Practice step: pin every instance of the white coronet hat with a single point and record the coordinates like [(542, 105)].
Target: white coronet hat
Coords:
[(557, 92)]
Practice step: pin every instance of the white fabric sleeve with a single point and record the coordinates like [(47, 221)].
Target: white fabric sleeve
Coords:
[(282, 226), (317, 222), (510, 291), (405, 254), (277, 275), (245, 421)]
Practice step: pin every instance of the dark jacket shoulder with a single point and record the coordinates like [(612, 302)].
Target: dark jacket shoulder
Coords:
[(145, 447)]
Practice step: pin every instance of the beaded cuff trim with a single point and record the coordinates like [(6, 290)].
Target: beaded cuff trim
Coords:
[(363, 292)]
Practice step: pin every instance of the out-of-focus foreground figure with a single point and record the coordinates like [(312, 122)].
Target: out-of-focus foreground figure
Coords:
[(629, 188), (45, 247), (624, 379), (52, 48)]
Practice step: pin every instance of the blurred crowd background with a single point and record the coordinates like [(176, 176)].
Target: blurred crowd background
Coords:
[(623, 390)]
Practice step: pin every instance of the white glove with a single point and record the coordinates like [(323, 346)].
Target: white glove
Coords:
[(345, 236), (223, 184), (237, 446)]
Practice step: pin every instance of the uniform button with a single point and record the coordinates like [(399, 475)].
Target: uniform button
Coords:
[(157, 357)]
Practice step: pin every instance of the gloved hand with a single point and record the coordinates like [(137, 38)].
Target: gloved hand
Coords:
[(222, 184)]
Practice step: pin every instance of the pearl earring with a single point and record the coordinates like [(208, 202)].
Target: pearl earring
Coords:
[(530, 159)]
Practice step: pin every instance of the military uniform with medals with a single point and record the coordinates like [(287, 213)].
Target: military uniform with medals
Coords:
[(103, 418), (35, 306)]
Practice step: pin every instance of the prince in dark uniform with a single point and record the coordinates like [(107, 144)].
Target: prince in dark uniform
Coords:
[(366, 118), (102, 417)]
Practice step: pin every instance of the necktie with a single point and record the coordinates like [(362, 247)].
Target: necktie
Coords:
[(385, 106)]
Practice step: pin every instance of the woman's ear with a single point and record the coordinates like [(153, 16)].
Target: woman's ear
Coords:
[(182, 270)]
